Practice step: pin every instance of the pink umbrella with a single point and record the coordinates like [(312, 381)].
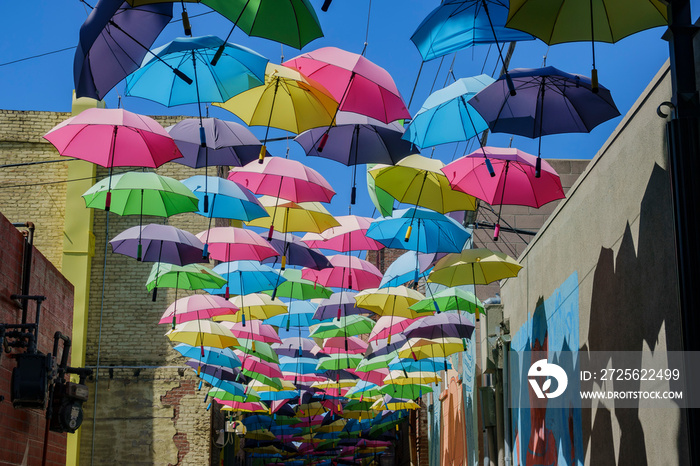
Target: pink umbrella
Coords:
[(513, 181), (199, 306), (358, 84), (283, 178), (253, 330), (375, 376), (349, 236), (231, 243), (390, 325), (114, 138), (303, 378), (338, 345), (255, 364), (347, 272)]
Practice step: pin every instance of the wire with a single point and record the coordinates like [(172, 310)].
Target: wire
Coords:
[(29, 185), (24, 164), (37, 56)]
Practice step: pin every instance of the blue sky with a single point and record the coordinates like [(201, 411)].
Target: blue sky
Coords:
[(46, 83)]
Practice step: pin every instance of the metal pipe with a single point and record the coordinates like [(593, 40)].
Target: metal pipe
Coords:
[(506, 407), (26, 265)]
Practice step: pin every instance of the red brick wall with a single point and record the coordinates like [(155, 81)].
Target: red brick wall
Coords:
[(22, 430)]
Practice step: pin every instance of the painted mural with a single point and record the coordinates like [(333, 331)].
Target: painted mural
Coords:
[(543, 435)]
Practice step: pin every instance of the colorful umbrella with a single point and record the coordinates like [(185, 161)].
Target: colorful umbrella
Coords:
[(256, 348), (219, 372), (285, 216), (400, 377), (300, 315), (445, 325), (474, 267), (228, 199), (256, 306), (343, 327), (338, 345), (222, 395), (340, 303), (339, 361), (296, 252), (245, 277), (392, 301), (253, 365), (389, 325), (223, 357), (457, 24), (350, 235), (383, 201), (186, 277), (446, 116), (158, 243), (299, 365), (295, 347), (394, 404), (421, 348), (410, 266), (411, 365), (231, 243), (253, 330), (358, 84), (202, 333), (451, 299), (296, 287), (199, 306), (347, 272)]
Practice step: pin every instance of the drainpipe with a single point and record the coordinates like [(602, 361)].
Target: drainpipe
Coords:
[(26, 264), (505, 342)]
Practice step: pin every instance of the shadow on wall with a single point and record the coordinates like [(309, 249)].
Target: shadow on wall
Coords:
[(633, 303)]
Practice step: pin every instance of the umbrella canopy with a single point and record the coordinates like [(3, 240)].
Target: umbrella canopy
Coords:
[(299, 365), (350, 235), (388, 325), (246, 276), (296, 252), (288, 100), (383, 201), (300, 315), (446, 116), (418, 180), (411, 365), (113, 41), (231, 243), (238, 70), (340, 303), (392, 301), (457, 24), (400, 377), (141, 193), (285, 216), (410, 266), (296, 287), (202, 333), (339, 361), (254, 330), (343, 327), (223, 357), (451, 299), (186, 277), (198, 306), (227, 143), (285, 178), (158, 243), (222, 373), (256, 348), (243, 407), (252, 364), (337, 345), (474, 267), (223, 395), (221, 198), (114, 138), (394, 404), (358, 84), (452, 325), (255, 306), (347, 272), (434, 232), (295, 347), (421, 348)]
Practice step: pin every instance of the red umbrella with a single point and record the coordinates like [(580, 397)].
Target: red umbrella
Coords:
[(514, 181), (347, 272), (349, 236)]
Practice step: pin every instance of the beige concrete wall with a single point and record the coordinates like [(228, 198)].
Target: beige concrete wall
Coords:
[(615, 230)]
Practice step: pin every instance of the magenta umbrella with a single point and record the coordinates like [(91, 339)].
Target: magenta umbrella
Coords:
[(347, 272), (253, 330), (358, 84), (255, 364), (231, 244), (195, 307), (349, 236), (338, 345), (514, 181), (390, 325)]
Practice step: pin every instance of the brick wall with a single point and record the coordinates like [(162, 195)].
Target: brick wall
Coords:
[(22, 430)]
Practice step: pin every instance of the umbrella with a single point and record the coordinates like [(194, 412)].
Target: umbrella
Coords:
[(245, 276), (257, 306), (388, 325), (220, 372), (113, 40), (158, 243), (394, 404), (410, 266), (400, 377), (446, 116), (231, 243), (254, 330), (296, 287), (448, 325), (350, 235), (356, 139), (392, 301), (296, 252), (256, 348), (474, 267), (285, 216), (435, 232), (223, 357), (383, 201), (229, 199), (421, 348), (288, 100), (338, 345), (339, 361), (231, 387), (513, 169), (199, 306), (300, 315), (299, 365), (411, 365), (358, 84), (295, 347), (602, 21), (547, 101), (202, 333), (451, 299), (253, 365), (457, 24), (340, 303), (343, 327), (222, 395), (252, 407), (188, 277), (418, 180), (227, 143), (347, 272)]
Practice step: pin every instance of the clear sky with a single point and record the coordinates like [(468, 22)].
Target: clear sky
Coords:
[(46, 83)]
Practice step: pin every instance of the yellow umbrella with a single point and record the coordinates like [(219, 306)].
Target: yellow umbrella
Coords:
[(202, 333), (255, 306), (419, 181), (289, 216), (393, 404), (412, 378), (390, 301), (259, 386), (343, 383), (311, 409), (288, 100), (421, 348), (260, 434), (474, 267)]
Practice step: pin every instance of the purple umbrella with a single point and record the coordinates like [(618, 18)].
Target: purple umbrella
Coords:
[(296, 251), (227, 143), (292, 347), (220, 372), (159, 243), (444, 325), (113, 41), (338, 304), (357, 139)]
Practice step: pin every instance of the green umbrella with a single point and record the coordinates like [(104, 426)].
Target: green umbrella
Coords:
[(377, 362), (260, 349), (339, 361), (382, 200), (410, 391), (250, 396), (299, 288), (186, 277), (346, 326), (272, 382), (451, 299)]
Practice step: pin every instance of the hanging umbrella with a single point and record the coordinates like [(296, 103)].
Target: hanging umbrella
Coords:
[(434, 232), (300, 315), (445, 325), (347, 272), (288, 100), (339, 361), (220, 372), (340, 303), (421, 348), (253, 365), (237, 406), (343, 327), (158, 243), (394, 404), (389, 325), (474, 267), (231, 387), (400, 377), (295, 347), (227, 143), (358, 84), (202, 333), (458, 24), (228, 199), (350, 235), (446, 116), (254, 330), (231, 243), (256, 348), (598, 20), (418, 180), (393, 301), (257, 306), (547, 101), (286, 216), (199, 306), (451, 299), (113, 41), (212, 355), (186, 277), (514, 182), (383, 201), (245, 277), (336, 345), (421, 365), (299, 365), (222, 395), (410, 266), (296, 252)]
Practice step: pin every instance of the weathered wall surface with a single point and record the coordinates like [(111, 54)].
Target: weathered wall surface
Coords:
[(614, 235)]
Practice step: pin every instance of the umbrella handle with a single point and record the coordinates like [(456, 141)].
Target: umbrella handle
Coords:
[(186, 22), (325, 5), (496, 231), (155, 294), (322, 142)]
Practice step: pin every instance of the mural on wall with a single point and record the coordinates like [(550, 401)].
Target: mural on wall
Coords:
[(542, 436)]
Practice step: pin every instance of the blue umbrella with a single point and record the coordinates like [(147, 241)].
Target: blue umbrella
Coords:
[(303, 365), (245, 277), (457, 24), (233, 388), (422, 365), (272, 395), (227, 199), (435, 232), (446, 116), (300, 314), (238, 70), (215, 356), (410, 266)]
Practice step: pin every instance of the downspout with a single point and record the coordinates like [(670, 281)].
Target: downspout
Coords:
[(505, 341), (26, 264)]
